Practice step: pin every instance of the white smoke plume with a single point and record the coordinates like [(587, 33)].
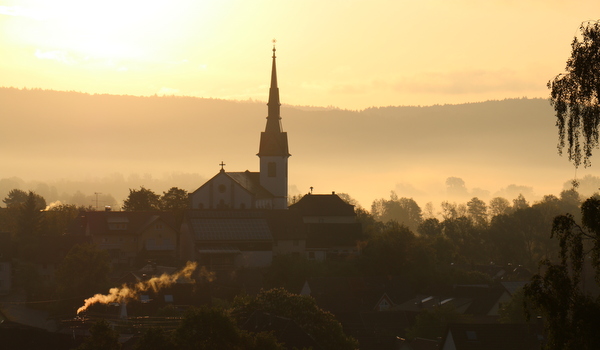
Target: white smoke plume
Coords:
[(125, 293)]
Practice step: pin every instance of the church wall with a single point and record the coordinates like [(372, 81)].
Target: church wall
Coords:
[(275, 179), (221, 192)]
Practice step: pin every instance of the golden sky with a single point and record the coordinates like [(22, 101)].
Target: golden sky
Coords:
[(345, 53)]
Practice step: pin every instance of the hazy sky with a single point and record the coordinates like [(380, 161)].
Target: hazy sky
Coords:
[(349, 54)]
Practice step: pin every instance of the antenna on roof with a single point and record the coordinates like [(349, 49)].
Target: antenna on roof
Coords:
[(97, 193)]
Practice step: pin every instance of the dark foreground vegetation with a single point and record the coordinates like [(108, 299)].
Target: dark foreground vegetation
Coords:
[(403, 249)]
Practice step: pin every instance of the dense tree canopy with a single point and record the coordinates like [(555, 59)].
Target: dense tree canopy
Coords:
[(400, 209), (321, 325), (141, 200), (15, 197), (174, 199), (575, 96), (103, 337)]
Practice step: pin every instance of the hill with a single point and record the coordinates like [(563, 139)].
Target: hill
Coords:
[(52, 135)]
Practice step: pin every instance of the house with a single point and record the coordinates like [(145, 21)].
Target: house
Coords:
[(332, 231), (492, 336), (482, 302), (181, 294), (266, 189), (129, 236), (29, 335), (227, 239)]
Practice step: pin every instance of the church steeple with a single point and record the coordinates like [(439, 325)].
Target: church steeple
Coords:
[(273, 150), (274, 115), (273, 141)]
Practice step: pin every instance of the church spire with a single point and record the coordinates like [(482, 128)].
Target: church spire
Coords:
[(273, 150), (274, 115), (273, 141)]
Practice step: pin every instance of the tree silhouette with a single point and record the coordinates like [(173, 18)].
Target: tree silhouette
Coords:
[(569, 312), (320, 324), (174, 199), (575, 96), (141, 200), (103, 337)]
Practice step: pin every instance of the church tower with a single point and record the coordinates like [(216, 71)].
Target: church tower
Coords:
[(273, 151)]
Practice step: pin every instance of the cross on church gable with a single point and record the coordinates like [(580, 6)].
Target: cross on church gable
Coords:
[(222, 165)]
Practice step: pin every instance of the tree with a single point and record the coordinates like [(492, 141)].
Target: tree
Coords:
[(141, 200), (453, 210), (174, 199), (103, 337), (30, 224), (455, 186), (348, 199), (575, 96), (498, 206), (477, 211), (403, 210), (557, 290), (321, 325), (387, 252), (430, 228), (466, 238), (516, 309), (212, 328), (155, 338), (83, 273), (58, 218), (520, 203), (15, 198)]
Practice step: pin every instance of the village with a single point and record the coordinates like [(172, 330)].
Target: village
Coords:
[(368, 282)]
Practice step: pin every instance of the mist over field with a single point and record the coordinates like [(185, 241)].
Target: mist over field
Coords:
[(67, 145)]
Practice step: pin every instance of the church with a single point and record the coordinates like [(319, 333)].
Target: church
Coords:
[(265, 189), (241, 219)]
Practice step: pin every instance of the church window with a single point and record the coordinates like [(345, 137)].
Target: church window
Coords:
[(222, 188), (272, 169)]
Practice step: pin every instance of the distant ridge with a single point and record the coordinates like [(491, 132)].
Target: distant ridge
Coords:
[(48, 132)]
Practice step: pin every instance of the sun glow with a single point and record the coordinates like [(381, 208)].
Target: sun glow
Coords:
[(77, 31)]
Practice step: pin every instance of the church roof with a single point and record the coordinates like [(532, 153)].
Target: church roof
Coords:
[(273, 144), (250, 181), (135, 222)]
